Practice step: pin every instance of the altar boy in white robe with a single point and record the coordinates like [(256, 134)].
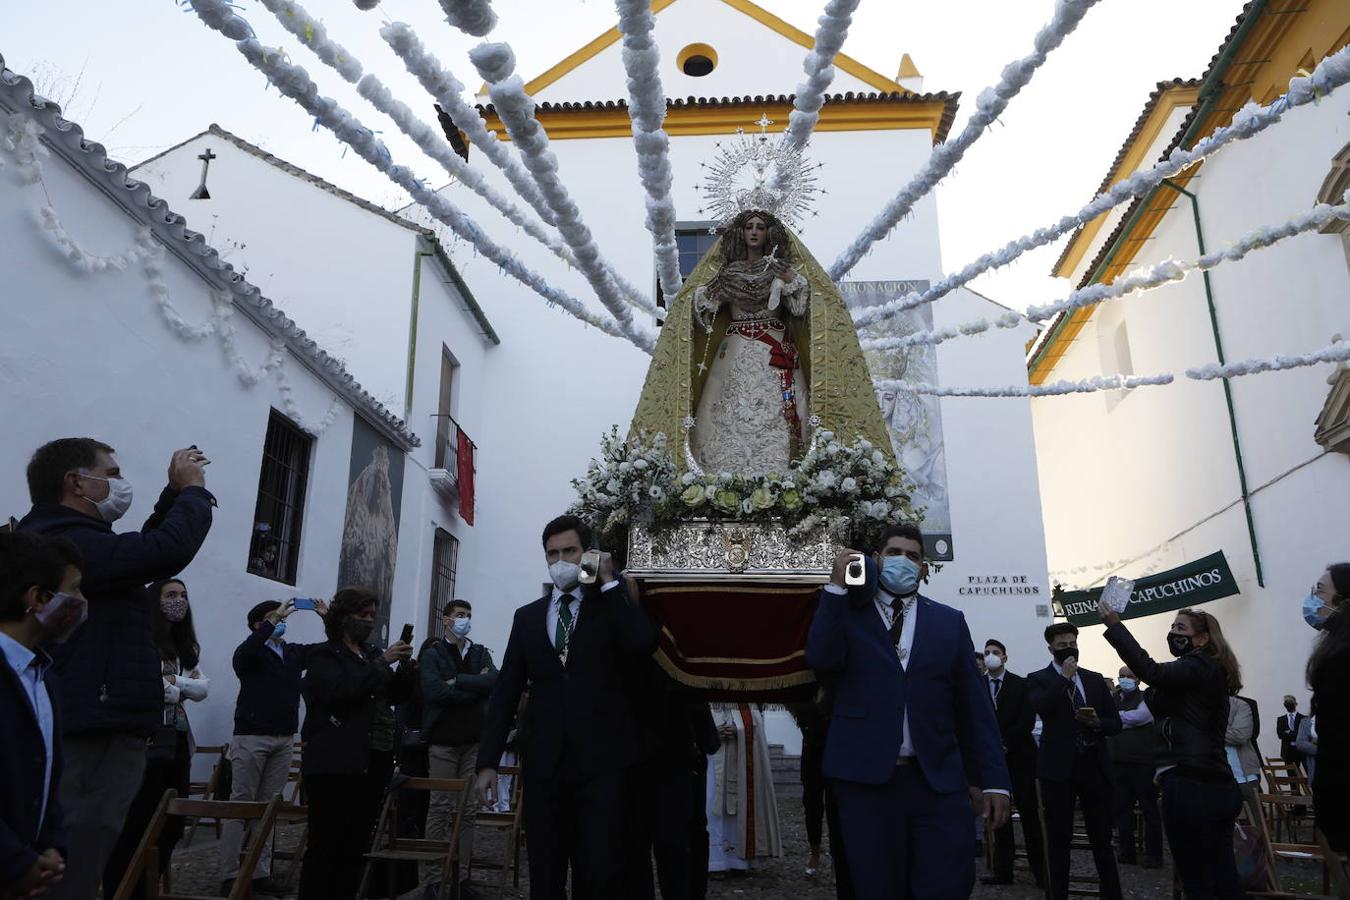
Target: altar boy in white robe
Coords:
[(742, 807)]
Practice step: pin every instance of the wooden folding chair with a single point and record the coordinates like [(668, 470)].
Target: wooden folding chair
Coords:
[(144, 865), (1283, 851), (508, 823), (1337, 866), (1287, 779), (390, 847), (210, 788)]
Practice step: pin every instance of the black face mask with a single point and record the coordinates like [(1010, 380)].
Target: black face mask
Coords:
[(1291, 706), (1180, 644), (359, 629), (1064, 654)]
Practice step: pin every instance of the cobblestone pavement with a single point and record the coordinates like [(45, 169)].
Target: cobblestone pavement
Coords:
[(784, 877)]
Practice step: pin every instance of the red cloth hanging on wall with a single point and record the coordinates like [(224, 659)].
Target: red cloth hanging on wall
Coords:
[(464, 475)]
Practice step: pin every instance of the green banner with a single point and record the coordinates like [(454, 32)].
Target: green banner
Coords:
[(1195, 582)]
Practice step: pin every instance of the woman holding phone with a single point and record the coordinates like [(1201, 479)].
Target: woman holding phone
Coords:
[(349, 730), (1189, 701)]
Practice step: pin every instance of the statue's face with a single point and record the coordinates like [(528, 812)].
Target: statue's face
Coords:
[(756, 232)]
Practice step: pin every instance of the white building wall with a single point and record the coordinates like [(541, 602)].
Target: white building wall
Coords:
[(90, 354), (1119, 479), (320, 257)]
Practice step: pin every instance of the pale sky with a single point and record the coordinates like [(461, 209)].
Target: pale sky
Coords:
[(151, 75)]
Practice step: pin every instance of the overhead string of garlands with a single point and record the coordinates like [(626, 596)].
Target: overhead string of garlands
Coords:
[(831, 32), (497, 65), (448, 92), (1330, 74), (294, 82), (1143, 279), (990, 103), (647, 109), (311, 32)]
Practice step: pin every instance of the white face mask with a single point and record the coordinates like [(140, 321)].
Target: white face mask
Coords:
[(993, 662), (115, 505), (565, 574), (64, 613)]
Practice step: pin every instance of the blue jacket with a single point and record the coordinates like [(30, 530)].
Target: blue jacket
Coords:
[(110, 667), (1049, 693), (23, 761), (951, 721), (269, 684)]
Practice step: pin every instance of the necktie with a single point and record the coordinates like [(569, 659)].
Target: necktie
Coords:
[(897, 620), (998, 686), (564, 630)]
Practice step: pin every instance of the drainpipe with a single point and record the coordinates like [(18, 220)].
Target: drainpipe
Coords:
[(418, 253), (1227, 388)]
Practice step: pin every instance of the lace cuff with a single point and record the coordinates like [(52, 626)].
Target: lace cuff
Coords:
[(705, 309), (796, 293)]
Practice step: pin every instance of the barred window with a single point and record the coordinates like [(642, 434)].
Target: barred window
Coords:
[(444, 562), (274, 550)]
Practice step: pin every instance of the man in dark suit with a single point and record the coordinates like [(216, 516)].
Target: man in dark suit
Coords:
[(1016, 718), (1286, 728), (913, 741), (573, 647), (1077, 715), (40, 603)]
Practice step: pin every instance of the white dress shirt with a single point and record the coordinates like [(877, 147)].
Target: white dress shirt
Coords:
[(1077, 682), (555, 607), (1133, 718), (31, 667), (883, 602)]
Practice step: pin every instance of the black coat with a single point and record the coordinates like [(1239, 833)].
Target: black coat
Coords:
[(1331, 778), (1016, 719), (453, 715), (110, 667), (1287, 736), (1049, 696), (269, 684), (23, 761), (1189, 701), (677, 730), (583, 711), (341, 692)]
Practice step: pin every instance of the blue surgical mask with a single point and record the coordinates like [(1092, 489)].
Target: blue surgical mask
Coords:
[(278, 630), (460, 626), (1128, 684), (899, 575), (1312, 605)]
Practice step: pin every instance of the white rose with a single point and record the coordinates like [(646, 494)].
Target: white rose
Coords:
[(688, 478), (614, 486), (639, 464), (878, 457), (826, 479), (625, 468), (848, 485)]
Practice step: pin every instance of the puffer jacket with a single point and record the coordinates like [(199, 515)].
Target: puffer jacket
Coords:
[(110, 667), (1189, 701)]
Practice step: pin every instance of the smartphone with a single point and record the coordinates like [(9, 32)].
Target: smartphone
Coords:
[(590, 567), (302, 602), (856, 573), (407, 635)]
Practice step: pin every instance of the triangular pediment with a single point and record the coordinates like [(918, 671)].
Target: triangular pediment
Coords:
[(754, 51)]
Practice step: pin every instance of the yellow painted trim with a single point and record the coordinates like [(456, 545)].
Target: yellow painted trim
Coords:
[(843, 62), (1172, 99), (695, 50), (724, 119), (907, 68), (1272, 53)]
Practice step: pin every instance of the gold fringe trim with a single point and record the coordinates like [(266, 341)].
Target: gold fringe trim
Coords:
[(717, 683), (731, 659)]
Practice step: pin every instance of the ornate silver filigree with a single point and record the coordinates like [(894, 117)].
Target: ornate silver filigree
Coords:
[(705, 550), (753, 171)]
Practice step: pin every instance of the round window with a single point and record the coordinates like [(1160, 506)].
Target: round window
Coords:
[(697, 60)]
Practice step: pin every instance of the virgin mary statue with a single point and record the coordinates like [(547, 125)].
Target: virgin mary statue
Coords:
[(757, 354)]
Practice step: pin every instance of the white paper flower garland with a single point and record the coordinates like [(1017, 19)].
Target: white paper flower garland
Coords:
[(647, 107), (1331, 73), (831, 31), (294, 82), (473, 17), (991, 102), (496, 64), (447, 91), (1144, 279)]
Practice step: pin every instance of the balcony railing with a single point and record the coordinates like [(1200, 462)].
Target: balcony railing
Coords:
[(447, 446)]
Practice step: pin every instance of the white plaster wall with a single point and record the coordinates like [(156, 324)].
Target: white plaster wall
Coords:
[(301, 246), (751, 59), (1118, 481), (89, 354)]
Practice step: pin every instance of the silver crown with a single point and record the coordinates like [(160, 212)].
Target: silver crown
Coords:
[(754, 171)]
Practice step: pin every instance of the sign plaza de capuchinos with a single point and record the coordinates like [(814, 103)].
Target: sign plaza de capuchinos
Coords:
[(1196, 582)]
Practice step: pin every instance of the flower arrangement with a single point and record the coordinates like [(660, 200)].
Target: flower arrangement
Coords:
[(850, 488)]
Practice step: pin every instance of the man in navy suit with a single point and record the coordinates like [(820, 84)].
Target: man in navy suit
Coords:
[(40, 603), (1077, 715), (913, 741), (573, 647)]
